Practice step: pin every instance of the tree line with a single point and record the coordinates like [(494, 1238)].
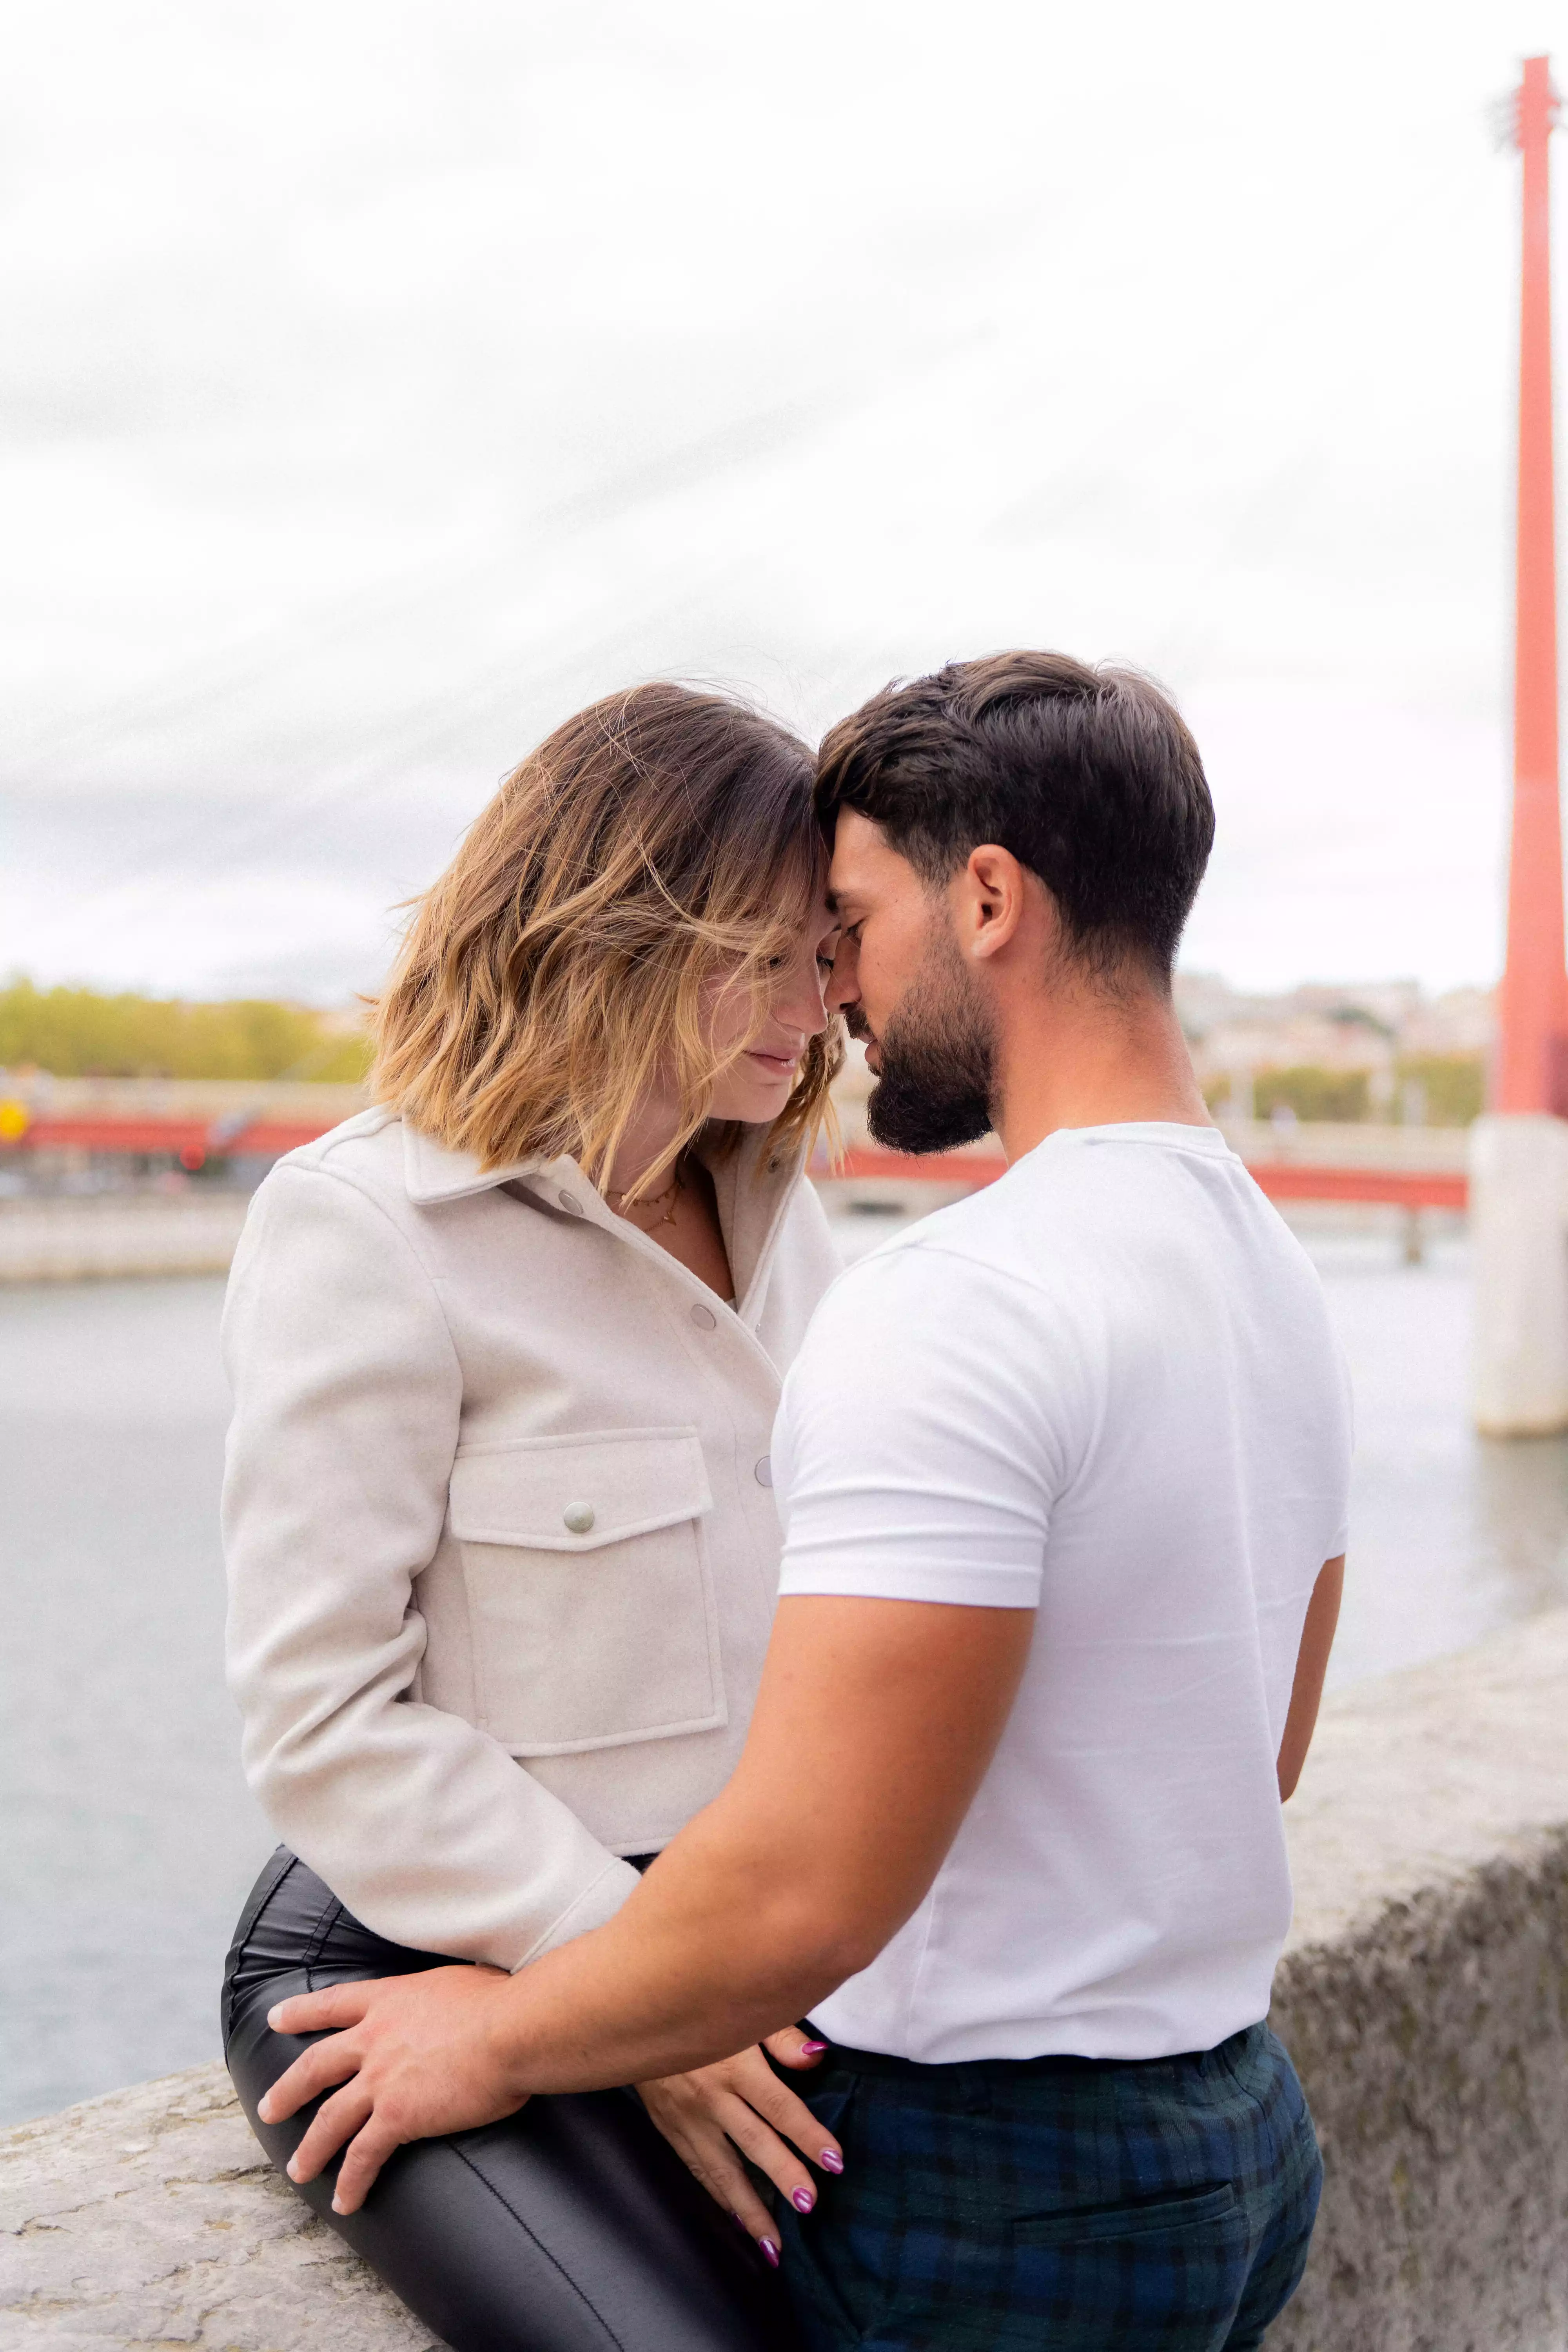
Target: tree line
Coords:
[(77, 1032)]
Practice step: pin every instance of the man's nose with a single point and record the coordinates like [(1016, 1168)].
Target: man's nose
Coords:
[(842, 987)]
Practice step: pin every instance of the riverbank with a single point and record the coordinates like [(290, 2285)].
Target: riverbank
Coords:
[(98, 1236), (125, 1177)]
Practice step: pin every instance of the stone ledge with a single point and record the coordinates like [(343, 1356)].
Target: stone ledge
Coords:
[(152, 2218), (1424, 1993)]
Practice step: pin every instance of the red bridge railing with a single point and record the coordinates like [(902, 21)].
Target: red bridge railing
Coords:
[(192, 1141), (1407, 1188)]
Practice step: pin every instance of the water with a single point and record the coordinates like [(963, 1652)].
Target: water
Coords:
[(127, 1837), (1451, 1533)]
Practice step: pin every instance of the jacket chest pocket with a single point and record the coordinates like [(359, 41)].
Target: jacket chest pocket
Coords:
[(585, 1559)]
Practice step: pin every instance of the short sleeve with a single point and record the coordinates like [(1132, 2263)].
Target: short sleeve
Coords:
[(925, 1430), (1339, 1543)]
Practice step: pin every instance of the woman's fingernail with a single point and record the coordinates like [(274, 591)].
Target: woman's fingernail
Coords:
[(273, 2015), (812, 2049), (802, 2199), (769, 2251), (289, 2169), (830, 2160), (337, 2208)]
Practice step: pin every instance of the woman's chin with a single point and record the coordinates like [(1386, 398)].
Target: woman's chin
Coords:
[(757, 1102)]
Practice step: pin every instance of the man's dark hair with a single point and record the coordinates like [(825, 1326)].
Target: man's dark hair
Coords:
[(1087, 776)]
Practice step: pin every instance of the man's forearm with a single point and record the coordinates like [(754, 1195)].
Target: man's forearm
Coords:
[(875, 1722), (1311, 1666), (718, 1948)]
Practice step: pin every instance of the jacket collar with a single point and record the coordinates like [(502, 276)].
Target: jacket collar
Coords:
[(752, 1197), (432, 1174)]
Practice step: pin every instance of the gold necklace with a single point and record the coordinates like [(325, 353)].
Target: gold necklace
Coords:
[(628, 1201)]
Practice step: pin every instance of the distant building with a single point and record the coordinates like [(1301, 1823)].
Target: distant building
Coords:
[(1383, 1049)]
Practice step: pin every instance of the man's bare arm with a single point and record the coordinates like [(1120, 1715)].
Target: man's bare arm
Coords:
[(1311, 1665), (873, 1729)]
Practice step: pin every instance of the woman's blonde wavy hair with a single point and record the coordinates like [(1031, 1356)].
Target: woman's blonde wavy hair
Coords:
[(659, 846)]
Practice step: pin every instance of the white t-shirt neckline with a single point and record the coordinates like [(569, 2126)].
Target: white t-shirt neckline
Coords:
[(1176, 1135)]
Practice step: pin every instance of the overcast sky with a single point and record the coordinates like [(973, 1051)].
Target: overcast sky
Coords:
[(381, 383)]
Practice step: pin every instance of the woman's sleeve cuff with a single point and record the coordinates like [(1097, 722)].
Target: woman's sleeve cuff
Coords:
[(599, 1901)]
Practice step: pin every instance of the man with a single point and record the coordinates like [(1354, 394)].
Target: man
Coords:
[(1063, 1475)]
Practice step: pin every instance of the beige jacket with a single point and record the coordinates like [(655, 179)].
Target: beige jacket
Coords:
[(502, 1557)]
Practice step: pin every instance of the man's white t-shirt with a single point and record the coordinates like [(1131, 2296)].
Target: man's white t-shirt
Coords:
[(1104, 1389)]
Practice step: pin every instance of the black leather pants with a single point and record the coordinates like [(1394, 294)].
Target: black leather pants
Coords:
[(570, 2227)]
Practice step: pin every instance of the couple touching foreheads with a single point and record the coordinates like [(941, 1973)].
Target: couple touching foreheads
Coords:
[(852, 1710)]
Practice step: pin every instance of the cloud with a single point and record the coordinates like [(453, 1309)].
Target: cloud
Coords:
[(382, 383)]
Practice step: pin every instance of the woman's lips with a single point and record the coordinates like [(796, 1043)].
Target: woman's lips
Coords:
[(779, 1065)]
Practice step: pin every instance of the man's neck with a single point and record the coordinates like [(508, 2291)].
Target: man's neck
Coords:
[(1084, 1057)]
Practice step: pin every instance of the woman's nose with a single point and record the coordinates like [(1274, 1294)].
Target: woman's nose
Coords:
[(806, 1007)]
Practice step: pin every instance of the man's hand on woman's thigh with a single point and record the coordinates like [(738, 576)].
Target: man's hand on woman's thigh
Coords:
[(420, 2057), (415, 2057)]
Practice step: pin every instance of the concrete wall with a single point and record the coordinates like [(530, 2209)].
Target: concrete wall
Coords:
[(1425, 1992), (53, 1237)]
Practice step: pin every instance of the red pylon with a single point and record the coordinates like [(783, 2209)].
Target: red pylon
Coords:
[(1531, 1069)]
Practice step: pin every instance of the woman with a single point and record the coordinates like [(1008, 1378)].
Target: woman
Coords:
[(505, 1352)]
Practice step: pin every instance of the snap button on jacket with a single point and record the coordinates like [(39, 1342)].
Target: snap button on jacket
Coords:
[(501, 1568)]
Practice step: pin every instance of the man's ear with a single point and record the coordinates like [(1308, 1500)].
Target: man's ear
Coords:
[(989, 898)]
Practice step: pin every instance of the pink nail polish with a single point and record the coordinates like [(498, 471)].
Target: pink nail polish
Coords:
[(769, 2251), (812, 2049), (830, 2160), (802, 2199)]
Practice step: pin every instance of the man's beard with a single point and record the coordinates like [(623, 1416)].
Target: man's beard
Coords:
[(939, 1055)]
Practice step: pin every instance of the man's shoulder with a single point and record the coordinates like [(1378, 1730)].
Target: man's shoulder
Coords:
[(1084, 1226), (923, 1250), (1003, 1229), (954, 1265)]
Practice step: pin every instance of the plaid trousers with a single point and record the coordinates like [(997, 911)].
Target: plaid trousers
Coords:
[(1069, 2204)]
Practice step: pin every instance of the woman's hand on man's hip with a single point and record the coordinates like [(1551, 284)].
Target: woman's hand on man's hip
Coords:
[(738, 2107)]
